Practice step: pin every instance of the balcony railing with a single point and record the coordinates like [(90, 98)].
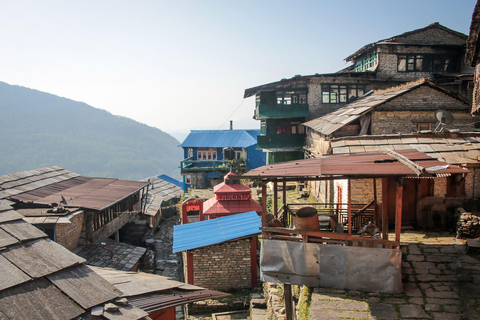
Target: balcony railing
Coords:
[(266, 111), (191, 165), (281, 141)]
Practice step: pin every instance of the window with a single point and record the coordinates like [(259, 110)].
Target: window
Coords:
[(366, 62), (292, 96), (427, 63), (238, 154), (188, 179), (190, 152), (424, 126), (48, 229), (341, 93), (290, 128), (207, 154)]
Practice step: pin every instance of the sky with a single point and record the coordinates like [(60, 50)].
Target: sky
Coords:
[(183, 65)]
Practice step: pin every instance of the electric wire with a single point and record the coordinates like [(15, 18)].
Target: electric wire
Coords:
[(243, 100)]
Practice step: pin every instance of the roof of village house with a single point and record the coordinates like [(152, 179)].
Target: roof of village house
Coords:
[(335, 120), (162, 188), (455, 148), (205, 233), (153, 293), (40, 279), (357, 165), (473, 45), (48, 185), (406, 38), (125, 256), (238, 138)]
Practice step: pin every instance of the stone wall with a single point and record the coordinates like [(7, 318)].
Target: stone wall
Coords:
[(223, 266), (68, 234)]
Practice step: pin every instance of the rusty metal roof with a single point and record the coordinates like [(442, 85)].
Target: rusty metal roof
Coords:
[(356, 165), (48, 185), (153, 293)]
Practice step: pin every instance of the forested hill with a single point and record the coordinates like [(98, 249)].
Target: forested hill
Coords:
[(39, 130)]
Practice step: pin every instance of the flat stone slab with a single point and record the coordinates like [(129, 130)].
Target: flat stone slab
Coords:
[(383, 311), (412, 311)]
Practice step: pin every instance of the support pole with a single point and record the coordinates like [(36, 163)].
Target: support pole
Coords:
[(287, 294), (286, 216), (376, 217), (384, 209), (275, 198), (264, 204), (398, 211), (349, 204)]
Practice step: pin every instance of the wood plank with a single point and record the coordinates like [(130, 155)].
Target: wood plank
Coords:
[(94, 289), (10, 275), (398, 211), (22, 230)]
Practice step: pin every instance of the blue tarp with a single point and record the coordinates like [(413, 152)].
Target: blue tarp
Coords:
[(204, 233)]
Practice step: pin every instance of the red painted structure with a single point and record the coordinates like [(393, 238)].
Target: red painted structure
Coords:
[(231, 197), (192, 205)]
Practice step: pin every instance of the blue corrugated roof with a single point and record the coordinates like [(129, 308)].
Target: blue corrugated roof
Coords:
[(170, 180), (204, 233), (220, 138)]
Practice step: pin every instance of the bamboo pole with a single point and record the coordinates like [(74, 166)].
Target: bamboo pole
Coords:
[(398, 211)]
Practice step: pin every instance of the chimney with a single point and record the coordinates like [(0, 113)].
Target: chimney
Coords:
[(231, 124)]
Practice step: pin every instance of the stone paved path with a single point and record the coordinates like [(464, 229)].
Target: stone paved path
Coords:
[(167, 264), (441, 282)]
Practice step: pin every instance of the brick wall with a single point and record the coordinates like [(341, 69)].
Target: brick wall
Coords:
[(223, 266), (68, 234)]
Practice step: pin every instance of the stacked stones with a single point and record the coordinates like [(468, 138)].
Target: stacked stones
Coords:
[(468, 226)]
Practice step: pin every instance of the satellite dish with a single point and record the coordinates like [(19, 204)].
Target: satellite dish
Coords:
[(443, 116)]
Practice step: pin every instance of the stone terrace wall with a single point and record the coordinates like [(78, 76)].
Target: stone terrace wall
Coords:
[(68, 234), (223, 266)]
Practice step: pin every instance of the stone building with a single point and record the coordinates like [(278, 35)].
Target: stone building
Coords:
[(405, 117), (220, 254), (73, 209), (472, 55), (434, 52)]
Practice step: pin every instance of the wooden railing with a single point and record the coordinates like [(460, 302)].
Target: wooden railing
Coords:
[(361, 213), (326, 238)]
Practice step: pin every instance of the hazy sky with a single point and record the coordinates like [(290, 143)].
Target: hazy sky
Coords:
[(180, 65)]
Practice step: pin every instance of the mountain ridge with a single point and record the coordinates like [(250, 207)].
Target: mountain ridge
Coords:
[(40, 129)]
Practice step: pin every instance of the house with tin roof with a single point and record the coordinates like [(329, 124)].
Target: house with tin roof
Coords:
[(73, 209), (434, 52), (210, 154), (418, 115)]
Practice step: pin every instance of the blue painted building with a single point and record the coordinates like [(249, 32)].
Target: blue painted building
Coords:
[(207, 153)]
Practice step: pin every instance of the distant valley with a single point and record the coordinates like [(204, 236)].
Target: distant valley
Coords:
[(39, 129)]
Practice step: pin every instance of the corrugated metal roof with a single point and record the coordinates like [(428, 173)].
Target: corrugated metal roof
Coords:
[(80, 192), (220, 138), (204, 233), (355, 165)]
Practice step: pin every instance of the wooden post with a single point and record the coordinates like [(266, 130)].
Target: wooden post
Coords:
[(376, 217), (398, 210), (384, 208), (264, 204), (287, 294), (349, 205), (286, 217), (189, 267), (275, 198), (253, 261)]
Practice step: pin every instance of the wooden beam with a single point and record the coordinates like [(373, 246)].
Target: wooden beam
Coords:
[(376, 216), (398, 211), (253, 261), (349, 205), (287, 294), (384, 209), (264, 204), (275, 198)]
